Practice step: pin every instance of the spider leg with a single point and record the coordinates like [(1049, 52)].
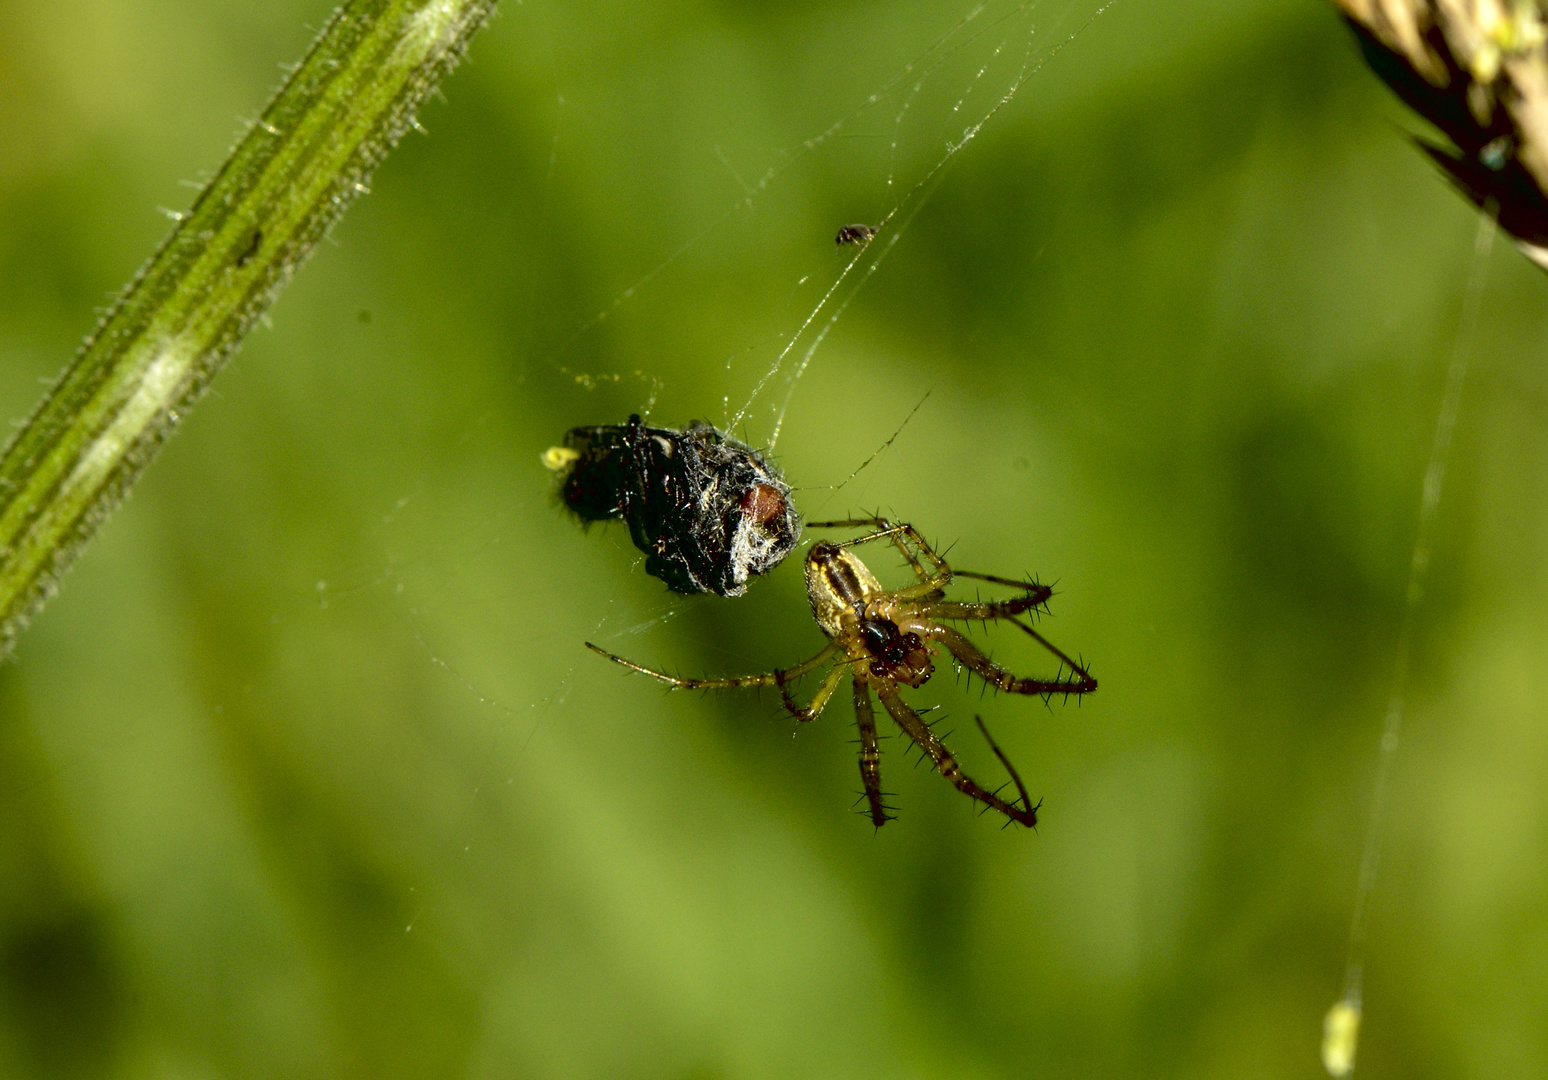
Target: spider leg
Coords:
[(1036, 596), (983, 611), (819, 700), (1029, 586), (870, 753), (916, 729), (973, 658), (780, 678), (896, 532), (1026, 800)]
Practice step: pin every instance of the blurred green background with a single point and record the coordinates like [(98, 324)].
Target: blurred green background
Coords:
[(306, 772)]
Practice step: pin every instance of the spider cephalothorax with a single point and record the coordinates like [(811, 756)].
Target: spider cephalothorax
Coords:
[(850, 605), (883, 639), (709, 512)]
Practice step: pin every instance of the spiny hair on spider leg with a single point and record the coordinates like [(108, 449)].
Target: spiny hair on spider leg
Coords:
[(865, 811), (980, 809), (1011, 821), (886, 817), (880, 737), (778, 713)]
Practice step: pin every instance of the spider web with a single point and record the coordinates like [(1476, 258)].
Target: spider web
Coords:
[(925, 114), (531, 715), (904, 134), (553, 817)]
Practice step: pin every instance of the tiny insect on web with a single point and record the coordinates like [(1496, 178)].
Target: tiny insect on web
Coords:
[(883, 639), (855, 234), (864, 236), (992, 44), (923, 99)]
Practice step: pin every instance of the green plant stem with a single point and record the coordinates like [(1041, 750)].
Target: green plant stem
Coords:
[(284, 184)]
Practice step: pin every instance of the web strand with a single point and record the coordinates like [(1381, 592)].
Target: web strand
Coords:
[(1029, 68), (1342, 1025), (939, 51)]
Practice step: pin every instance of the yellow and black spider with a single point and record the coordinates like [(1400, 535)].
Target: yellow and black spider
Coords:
[(884, 639)]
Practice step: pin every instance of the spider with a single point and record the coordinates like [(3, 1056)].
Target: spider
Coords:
[(883, 639)]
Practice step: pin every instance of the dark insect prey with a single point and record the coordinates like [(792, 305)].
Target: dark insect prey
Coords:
[(883, 640), (709, 512)]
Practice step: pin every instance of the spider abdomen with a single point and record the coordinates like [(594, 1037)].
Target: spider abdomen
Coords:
[(839, 586)]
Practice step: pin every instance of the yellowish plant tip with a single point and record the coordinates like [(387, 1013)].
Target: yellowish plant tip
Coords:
[(1340, 1038), (1521, 30), (559, 458)]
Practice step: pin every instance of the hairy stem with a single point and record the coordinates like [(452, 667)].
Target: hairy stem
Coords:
[(284, 184)]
